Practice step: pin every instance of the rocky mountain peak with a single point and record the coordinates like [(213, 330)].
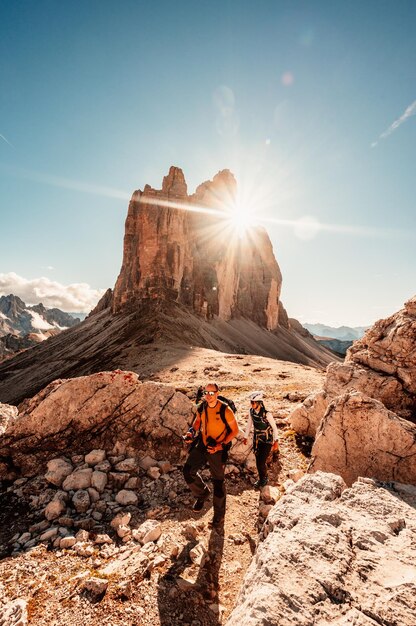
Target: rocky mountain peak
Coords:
[(11, 306), (174, 183), (219, 192), (194, 258)]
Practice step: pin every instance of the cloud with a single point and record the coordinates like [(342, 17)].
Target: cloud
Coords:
[(411, 110), (77, 297)]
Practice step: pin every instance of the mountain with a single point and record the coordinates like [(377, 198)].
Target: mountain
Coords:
[(23, 326), (187, 281), (344, 333), (16, 318)]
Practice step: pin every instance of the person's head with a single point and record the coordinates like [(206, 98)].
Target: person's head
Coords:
[(211, 393), (256, 400)]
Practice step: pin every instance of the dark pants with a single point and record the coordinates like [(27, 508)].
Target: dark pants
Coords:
[(197, 459), (261, 453)]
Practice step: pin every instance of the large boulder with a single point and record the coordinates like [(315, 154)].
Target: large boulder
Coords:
[(360, 437), (381, 366), (97, 411), (332, 555)]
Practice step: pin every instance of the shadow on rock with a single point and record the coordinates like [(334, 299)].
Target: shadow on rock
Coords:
[(188, 591)]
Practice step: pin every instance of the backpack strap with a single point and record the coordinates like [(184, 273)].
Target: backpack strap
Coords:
[(223, 409)]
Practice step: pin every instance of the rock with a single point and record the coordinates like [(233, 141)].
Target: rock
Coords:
[(154, 473), (81, 501), (80, 479), (381, 367), (360, 437), (95, 587), (118, 479), (102, 539), (264, 510), (318, 546), (133, 483), (165, 467), (98, 481), (24, 538), (306, 418), (176, 250), (95, 456), (105, 466), (49, 534), (296, 474), (198, 554), (58, 470), (123, 531), (14, 613), (83, 549), (54, 509), (121, 519), (126, 497), (147, 462), (127, 465), (7, 414), (67, 542), (149, 531), (93, 494), (82, 535), (100, 410), (124, 589), (190, 532)]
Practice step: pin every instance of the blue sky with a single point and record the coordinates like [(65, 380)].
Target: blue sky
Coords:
[(298, 99)]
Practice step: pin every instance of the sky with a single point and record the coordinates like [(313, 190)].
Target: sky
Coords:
[(312, 105)]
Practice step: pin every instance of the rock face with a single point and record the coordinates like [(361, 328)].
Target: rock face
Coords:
[(97, 411), (360, 437), (197, 259), (381, 367), (332, 555)]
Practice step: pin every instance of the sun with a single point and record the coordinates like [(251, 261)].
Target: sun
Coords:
[(242, 219)]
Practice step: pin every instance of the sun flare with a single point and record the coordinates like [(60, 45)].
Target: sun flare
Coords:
[(242, 220)]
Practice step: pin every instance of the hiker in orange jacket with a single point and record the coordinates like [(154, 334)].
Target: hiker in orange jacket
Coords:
[(217, 427)]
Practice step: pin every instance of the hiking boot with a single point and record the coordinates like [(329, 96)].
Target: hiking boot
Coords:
[(260, 483), (199, 502)]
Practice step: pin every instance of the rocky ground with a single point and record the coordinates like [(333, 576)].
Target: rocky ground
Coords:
[(87, 565)]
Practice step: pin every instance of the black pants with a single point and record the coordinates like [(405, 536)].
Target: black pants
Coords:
[(262, 452), (197, 459)]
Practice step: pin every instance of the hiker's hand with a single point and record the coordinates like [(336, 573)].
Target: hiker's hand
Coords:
[(275, 447), (187, 437), (245, 441), (215, 449)]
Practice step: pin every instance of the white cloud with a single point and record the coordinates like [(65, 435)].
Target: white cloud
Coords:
[(411, 110), (79, 297)]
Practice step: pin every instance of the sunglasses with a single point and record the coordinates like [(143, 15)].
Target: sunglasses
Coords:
[(210, 393), (254, 401)]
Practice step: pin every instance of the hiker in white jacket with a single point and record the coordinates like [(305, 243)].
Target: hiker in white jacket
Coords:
[(264, 435)]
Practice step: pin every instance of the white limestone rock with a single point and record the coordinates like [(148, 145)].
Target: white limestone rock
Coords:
[(328, 554)]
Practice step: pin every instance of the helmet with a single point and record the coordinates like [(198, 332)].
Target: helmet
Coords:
[(256, 396)]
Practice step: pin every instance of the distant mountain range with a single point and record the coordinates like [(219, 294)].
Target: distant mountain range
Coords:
[(23, 326), (343, 333)]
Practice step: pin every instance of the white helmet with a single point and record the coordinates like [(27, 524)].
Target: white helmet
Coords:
[(256, 396)]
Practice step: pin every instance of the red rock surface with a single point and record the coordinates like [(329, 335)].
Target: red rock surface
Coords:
[(197, 259)]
